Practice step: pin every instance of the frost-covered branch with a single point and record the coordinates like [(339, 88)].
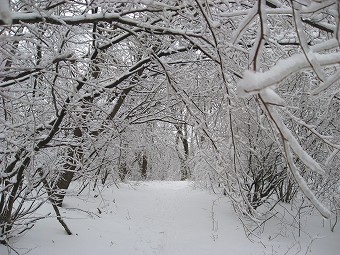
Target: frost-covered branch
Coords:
[(303, 185), (252, 83)]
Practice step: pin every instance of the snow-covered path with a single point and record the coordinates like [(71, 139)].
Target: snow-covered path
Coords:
[(163, 218), (174, 219)]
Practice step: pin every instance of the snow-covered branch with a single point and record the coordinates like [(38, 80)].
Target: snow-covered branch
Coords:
[(253, 82)]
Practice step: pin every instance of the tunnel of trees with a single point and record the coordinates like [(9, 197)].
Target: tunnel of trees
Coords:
[(243, 95)]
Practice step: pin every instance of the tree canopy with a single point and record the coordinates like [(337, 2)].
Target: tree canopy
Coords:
[(240, 94)]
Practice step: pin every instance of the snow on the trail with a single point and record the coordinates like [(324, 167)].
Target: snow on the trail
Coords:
[(165, 218)]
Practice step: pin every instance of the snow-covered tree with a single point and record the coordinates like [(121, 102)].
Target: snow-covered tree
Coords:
[(244, 93)]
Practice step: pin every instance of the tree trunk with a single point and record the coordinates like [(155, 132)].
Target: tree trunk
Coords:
[(185, 171), (144, 167), (71, 166)]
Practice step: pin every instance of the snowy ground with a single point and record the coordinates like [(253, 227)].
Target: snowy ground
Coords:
[(169, 218)]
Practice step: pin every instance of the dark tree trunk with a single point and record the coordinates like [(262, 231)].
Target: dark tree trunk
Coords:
[(71, 166), (123, 171), (144, 167), (182, 136)]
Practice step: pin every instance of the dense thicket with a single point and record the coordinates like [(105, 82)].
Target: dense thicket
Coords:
[(241, 94)]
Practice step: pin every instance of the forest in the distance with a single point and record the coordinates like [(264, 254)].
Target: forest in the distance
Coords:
[(241, 95)]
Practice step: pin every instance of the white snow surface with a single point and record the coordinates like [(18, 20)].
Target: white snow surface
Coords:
[(169, 218)]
